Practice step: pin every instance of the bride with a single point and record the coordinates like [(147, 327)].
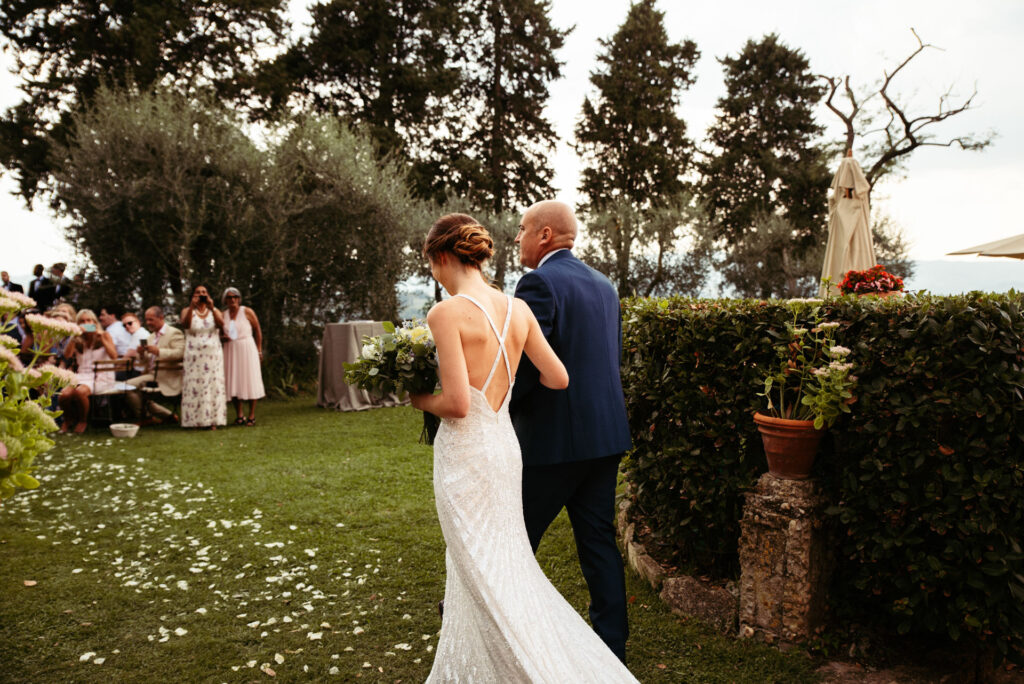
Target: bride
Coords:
[(503, 620)]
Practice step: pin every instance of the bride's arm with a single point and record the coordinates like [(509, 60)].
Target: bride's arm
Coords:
[(552, 371), (453, 400)]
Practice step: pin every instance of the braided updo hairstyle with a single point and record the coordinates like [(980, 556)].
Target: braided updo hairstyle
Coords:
[(461, 236)]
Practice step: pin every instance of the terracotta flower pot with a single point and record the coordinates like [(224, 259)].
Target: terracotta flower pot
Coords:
[(789, 445)]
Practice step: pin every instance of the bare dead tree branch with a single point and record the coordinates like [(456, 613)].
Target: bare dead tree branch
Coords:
[(903, 132), (847, 119)]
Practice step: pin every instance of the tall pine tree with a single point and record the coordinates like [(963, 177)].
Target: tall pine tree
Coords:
[(631, 137), (502, 157), (636, 151), (767, 163), (65, 49), (499, 155)]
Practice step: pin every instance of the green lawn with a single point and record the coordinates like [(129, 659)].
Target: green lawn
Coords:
[(307, 546)]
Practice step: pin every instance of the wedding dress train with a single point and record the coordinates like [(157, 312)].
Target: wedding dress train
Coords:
[(503, 620)]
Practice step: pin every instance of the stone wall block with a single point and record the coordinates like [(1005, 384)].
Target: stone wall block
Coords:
[(784, 560)]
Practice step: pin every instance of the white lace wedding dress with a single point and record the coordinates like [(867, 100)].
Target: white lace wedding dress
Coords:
[(503, 620)]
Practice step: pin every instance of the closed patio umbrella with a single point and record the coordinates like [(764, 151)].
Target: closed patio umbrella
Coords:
[(1012, 247), (849, 243)]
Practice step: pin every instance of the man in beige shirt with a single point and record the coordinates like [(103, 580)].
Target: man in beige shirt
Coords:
[(165, 343)]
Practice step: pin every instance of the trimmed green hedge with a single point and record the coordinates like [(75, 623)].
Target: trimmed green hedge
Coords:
[(927, 472)]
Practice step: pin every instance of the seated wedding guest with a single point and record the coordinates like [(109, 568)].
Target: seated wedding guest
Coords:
[(139, 335), (22, 331), (243, 352), (8, 285), (67, 309), (110, 319), (165, 343), (202, 391), (135, 328), (58, 351), (91, 346), (41, 289)]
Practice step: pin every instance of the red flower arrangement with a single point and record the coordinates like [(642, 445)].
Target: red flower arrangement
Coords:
[(874, 280)]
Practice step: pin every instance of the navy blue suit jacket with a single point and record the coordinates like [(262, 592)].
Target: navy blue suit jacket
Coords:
[(579, 313)]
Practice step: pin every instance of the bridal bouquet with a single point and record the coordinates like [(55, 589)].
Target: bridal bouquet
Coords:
[(401, 360)]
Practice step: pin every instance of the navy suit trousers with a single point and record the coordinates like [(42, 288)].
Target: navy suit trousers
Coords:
[(587, 491)]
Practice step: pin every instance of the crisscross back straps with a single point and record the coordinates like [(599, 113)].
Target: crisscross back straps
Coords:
[(502, 352)]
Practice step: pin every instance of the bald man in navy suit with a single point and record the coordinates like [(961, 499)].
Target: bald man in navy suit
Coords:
[(572, 440)]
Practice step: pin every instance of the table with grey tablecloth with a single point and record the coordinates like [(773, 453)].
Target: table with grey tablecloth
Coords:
[(341, 344)]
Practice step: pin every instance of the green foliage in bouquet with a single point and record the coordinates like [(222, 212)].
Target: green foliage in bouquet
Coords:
[(26, 393), (401, 360)]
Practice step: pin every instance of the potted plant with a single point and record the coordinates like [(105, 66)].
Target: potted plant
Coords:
[(875, 280), (806, 390)]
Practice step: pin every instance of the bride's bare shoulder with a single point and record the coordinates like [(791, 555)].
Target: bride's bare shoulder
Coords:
[(444, 311)]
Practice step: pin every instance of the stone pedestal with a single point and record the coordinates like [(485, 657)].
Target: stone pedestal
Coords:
[(784, 560)]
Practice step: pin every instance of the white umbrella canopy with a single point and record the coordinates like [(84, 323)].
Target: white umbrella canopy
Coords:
[(1012, 247), (849, 226)]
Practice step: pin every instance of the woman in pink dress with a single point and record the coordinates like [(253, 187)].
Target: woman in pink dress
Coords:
[(243, 352), (202, 383), (91, 346)]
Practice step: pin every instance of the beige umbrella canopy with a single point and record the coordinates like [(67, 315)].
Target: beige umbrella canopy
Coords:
[(849, 225), (1012, 247)]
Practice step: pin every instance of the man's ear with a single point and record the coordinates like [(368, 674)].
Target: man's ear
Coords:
[(546, 234)]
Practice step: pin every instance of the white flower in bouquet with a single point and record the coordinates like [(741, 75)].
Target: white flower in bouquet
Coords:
[(9, 342)]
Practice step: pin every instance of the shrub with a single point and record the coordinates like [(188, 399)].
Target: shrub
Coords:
[(926, 472)]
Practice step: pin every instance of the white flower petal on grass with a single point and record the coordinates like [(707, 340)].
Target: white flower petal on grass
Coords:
[(278, 658), (407, 617), (99, 661), (357, 630), (251, 663), (403, 647), (201, 611), (236, 668), (86, 656), (334, 670), (314, 636), (310, 552), (180, 631), (182, 584), (367, 665), (76, 571), (267, 670)]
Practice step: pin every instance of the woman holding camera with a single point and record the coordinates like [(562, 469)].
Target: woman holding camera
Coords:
[(202, 390), (91, 346)]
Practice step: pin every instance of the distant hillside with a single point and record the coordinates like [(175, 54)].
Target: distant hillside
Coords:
[(956, 277)]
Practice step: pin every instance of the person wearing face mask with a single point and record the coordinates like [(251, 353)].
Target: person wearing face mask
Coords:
[(91, 346)]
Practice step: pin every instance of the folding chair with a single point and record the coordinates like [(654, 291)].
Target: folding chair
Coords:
[(103, 402)]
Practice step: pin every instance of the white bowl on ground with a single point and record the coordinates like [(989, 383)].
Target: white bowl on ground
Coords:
[(123, 429)]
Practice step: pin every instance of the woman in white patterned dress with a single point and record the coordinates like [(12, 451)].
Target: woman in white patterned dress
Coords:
[(202, 387), (503, 620)]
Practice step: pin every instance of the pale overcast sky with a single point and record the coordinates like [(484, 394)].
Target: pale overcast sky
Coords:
[(950, 199)]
